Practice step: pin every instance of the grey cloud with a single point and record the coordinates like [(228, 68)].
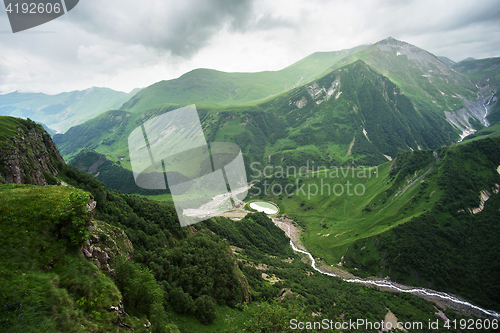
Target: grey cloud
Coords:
[(180, 27), (268, 22)]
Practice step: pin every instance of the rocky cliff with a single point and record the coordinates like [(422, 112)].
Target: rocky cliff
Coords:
[(27, 153)]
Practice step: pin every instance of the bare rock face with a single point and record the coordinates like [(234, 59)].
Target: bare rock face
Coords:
[(106, 244), (25, 156)]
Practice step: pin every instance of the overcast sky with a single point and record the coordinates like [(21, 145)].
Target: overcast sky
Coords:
[(124, 44)]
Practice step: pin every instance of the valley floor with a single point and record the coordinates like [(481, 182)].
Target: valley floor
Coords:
[(442, 300)]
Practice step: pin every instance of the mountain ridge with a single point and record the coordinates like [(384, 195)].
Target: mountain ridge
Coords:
[(224, 88)]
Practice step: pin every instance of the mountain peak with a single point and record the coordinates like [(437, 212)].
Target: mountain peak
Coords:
[(391, 41)]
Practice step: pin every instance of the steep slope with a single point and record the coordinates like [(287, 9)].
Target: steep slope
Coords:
[(112, 174), (64, 110), (27, 153), (351, 115), (431, 85), (447, 61), (102, 133), (484, 72), (215, 87), (428, 218), (47, 285)]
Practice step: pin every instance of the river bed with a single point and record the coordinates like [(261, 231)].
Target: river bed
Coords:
[(438, 297)]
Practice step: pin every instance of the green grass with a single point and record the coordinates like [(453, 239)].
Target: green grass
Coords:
[(484, 71), (334, 220), (9, 125), (215, 87), (487, 132), (227, 319), (46, 283)]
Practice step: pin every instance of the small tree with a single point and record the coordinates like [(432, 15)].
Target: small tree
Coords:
[(205, 309), (180, 301)]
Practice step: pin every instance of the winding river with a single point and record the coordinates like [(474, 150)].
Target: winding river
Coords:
[(389, 284)]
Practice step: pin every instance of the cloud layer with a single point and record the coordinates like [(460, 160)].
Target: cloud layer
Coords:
[(124, 44)]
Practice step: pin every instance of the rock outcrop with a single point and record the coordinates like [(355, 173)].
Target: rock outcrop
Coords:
[(26, 153), (106, 244)]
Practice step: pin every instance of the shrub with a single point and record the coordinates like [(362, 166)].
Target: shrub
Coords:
[(205, 309)]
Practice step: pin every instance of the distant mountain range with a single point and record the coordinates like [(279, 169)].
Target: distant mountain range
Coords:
[(62, 111), (362, 105)]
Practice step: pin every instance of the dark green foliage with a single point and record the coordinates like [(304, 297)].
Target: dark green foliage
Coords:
[(254, 232), (448, 248), (113, 175), (74, 216), (470, 169), (180, 301), (406, 164), (139, 288), (199, 264), (204, 309), (459, 259)]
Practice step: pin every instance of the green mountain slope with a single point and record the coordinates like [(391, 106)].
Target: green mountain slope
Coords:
[(421, 219), (188, 261), (64, 110), (215, 87), (351, 115), (110, 173), (178, 277), (431, 85), (47, 285), (483, 71), (424, 104), (447, 61), (27, 153)]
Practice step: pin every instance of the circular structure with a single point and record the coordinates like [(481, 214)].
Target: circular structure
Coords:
[(263, 206)]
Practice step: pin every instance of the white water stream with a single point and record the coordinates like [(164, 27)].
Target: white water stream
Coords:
[(398, 287)]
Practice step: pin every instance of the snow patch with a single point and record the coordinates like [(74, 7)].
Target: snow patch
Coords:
[(366, 134), (460, 119)]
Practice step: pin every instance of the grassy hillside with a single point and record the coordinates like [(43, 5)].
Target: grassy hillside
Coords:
[(379, 227), (27, 153), (351, 115), (184, 259), (215, 87), (64, 110), (111, 173), (46, 283), (200, 278), (429, 83), (483, 71)]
